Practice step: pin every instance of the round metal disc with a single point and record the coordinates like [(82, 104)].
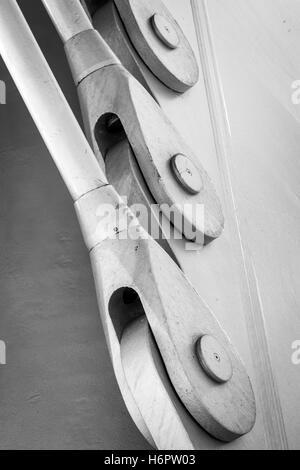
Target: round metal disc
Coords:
[(214, 359), (165, 31), (187, 174)]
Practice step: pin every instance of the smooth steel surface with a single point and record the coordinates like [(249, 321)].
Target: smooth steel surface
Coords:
[(70, 17), (47, 104), (214, 359), (187, 174), (165, 31)]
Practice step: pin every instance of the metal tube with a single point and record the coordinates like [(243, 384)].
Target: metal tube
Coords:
[(86, 50), (47, 104), (68, 16)]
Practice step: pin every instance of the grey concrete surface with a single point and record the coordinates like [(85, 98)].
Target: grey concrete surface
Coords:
[(57, 390)]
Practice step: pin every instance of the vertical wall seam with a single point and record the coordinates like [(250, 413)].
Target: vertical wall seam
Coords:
[(266, 387)]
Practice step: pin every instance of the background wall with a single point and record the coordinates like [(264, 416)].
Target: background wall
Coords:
[(256, 47)]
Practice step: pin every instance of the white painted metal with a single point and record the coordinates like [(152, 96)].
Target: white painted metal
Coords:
[(233, 410), (165, 31), (56, 122), (57, 125), (224, 271), (230, 274), (113, 90), (70, 17), (262, 140), (246, 126)]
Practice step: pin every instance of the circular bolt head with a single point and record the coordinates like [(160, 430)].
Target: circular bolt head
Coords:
[(214, 359), (165, 31), (187, 174)]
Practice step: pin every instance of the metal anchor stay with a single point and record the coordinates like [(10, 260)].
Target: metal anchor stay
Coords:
[(107, 89), (155, 34), (183, 370)]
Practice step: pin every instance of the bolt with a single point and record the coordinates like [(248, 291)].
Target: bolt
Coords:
[(214, 359), (187, 174), (165, 31)]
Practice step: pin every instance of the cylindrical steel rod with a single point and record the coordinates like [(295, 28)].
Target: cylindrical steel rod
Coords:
[(68, 16), (47, 104), (86, 50)]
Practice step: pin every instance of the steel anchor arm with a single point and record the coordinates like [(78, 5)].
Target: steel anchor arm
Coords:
[(107, 89), (226, 411)]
